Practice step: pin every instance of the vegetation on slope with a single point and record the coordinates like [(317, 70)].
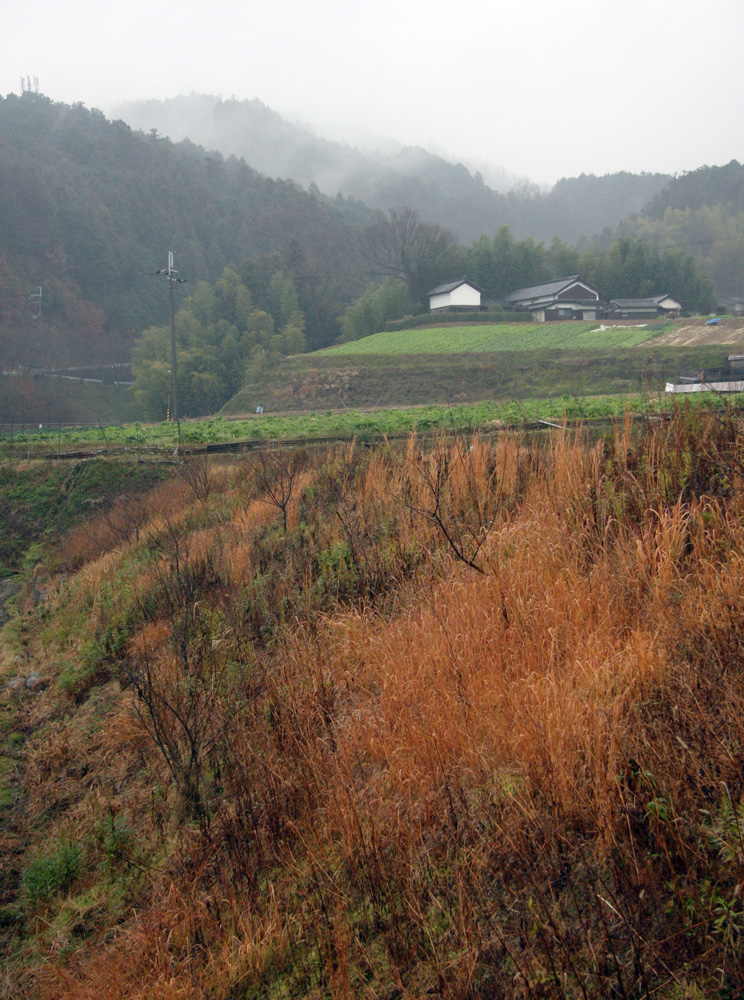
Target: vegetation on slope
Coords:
[(703, 211), (505, 336), (38, 504), (342, 381), (219, 331), (462, 719), (90, 208)]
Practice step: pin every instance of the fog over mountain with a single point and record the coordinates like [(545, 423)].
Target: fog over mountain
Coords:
[(276, 146), (468, 200)]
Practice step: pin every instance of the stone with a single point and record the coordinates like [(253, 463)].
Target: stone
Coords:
[(35, 682)]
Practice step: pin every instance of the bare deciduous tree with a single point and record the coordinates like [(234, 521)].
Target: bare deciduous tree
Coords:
[(276, 474), (402, 246), (178, 672), (447, 487), (195, 472)]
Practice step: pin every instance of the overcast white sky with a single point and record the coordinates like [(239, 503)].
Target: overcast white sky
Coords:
[(544, 88)]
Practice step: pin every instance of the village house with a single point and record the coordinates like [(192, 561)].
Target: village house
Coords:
[(733, 305), (649, 308), (456, 295), (562, 299)]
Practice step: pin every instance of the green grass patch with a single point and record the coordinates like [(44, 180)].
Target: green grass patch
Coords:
[(7, 767), (495, 337), (45, 876), (38, 503), (355, 423), (394, 420)]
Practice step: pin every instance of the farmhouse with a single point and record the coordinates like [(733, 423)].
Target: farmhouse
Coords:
[(562, 299), (457, 295), (734, 305), (649, 308)]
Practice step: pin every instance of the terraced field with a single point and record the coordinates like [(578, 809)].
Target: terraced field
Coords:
[(498, 362), (498, 337)]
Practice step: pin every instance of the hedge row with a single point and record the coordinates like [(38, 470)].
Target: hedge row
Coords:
[(446, 317)]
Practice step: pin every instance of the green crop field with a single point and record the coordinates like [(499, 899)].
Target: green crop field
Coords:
[(153, 440), (498, 337)]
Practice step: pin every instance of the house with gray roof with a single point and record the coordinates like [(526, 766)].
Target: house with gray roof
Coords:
[(561, 299), (457, 295), (651, 307)]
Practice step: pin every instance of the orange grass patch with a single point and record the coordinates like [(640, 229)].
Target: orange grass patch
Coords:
[(510, 777)]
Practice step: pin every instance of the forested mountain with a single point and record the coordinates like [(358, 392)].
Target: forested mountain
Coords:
[(89, 209), (695, 189), (701, 211), (442, 192)]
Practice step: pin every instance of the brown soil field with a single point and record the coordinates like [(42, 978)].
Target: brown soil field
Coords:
[(694, 332)]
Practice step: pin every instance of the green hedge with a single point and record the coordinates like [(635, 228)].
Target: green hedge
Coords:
[(444, 317)]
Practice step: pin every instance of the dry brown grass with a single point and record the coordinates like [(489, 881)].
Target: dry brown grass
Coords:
[(475, 729)]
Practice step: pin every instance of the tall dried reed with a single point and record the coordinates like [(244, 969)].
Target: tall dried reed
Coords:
[(477, 732)]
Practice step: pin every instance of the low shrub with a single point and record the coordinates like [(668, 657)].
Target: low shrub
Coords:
[(44, 877)]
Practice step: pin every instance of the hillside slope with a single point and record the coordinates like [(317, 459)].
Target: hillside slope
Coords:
[(702, 211), (458, 719), (500, 362), (90, 208)]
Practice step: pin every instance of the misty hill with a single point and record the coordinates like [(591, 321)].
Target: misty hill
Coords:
[(441, 191), (89, 208), (701, 211), (706, 186)]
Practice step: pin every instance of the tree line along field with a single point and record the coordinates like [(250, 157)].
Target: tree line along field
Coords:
[(458, 718)]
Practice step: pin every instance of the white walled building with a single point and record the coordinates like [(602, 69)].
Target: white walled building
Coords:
[(460, 294)]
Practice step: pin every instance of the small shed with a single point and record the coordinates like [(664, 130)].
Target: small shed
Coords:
[(458, 295)]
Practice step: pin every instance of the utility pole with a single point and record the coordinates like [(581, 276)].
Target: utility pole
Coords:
[(35, 301), (35, 298), (172, 275), (174, 378)]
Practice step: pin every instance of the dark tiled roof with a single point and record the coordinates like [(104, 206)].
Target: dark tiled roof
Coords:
[(550, 301), (634, 303), (648, 303), (452, 285), (545, 290)]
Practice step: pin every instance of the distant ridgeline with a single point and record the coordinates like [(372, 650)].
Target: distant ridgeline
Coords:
[(89, 209), (443, 192)]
